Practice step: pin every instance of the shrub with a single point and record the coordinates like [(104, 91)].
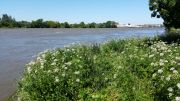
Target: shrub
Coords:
[(142, 70), (172, 36)]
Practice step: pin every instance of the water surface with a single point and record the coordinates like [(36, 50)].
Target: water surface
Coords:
[(19, 46)]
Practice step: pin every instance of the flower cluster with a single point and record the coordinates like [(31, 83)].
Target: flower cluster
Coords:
[(166, 75)]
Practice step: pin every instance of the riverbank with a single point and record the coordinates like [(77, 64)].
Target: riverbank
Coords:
[(18, 46), (139, 69)]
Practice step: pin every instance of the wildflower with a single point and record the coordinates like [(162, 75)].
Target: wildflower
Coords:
[(152, 64), (73, 49), (68, 63), (134, 88), (22, 79), (161, 60), (42, 62), (168, 78), (150, 56), (162, 77), (170, 89), (142, 58), (172, 69), (77, 72), (65, 68), (49, 71), (156, 64), (161, 64), (43, 56), (178, 85), (115, 76), (55, 60), (170, 94), (106, 78), (19, 99), (177, 58), (31, 63), (29, 69), (57, 52), (130, 56), (39, 59), (56, 79), (154, 75), (95, 57), (56, 70), (42, 67), (177, 98), (95, 96), (169, 50), (54, 54), (77, 80), (119, 67), (63, 75), (160, 71), (161, 54), (146, 55), (173, 62), (175, 71), (53, 64), (67, 50)]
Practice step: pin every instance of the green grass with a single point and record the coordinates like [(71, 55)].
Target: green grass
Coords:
[(118, 70)]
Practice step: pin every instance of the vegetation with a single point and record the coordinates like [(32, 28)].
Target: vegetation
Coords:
[(168, 10), (9, 22), (171, 36), (125, 70)]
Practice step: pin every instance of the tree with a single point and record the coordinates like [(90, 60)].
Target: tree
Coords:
[(0, 23), (75, 25), (82, 25), (23, 24), (38, 24), (7, 21), (66, 25), (52, 24), (111, 24), (92, 25), (168, 10)]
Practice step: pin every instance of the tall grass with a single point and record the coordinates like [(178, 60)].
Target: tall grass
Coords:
[(125, 70)]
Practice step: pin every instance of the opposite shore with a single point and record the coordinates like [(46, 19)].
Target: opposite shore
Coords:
[(7, 21)]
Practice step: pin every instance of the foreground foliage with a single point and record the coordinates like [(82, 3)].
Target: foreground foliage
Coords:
[(138, 70)]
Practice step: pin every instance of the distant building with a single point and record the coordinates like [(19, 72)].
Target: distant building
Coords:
[(137, 26), (127, 25), (151, 25)]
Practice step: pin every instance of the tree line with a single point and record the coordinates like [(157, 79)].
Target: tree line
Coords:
[(10, 22)]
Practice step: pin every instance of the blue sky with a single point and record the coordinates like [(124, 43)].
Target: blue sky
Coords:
[(75, 11)]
